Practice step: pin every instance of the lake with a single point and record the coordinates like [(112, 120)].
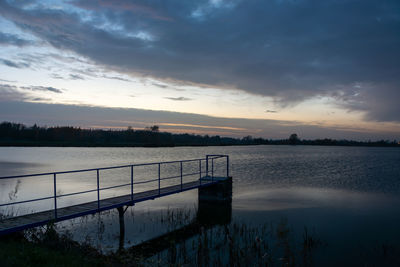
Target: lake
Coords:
[(348, 198)]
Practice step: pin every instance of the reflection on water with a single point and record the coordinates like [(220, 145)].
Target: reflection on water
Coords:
[(350, 224), (213, 210), (215, 204), (269, 199), (347, 196)]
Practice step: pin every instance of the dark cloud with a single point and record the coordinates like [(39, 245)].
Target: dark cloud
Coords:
[(14, 93), (85, 73), (160, 85), (125, 7), (64, 58), (11, 39), (116, 78), (76, 77), (271, 111), (42, 88), (164, 86), (181, 98), (290, 50), (10, 93), (380, 101), (90, 72), (12, 64), (57, 76), (40, 99), (8, 87)]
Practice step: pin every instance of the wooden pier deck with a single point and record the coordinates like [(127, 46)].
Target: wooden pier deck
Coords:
[(18, 223)]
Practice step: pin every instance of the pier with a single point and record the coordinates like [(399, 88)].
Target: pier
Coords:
[(207, 174)]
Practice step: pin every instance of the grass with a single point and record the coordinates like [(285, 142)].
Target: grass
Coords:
[(45, 247), (188, 242), (235, 244)]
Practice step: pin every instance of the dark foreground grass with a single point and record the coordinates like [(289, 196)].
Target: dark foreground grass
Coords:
[(193, 244), (48, 249)]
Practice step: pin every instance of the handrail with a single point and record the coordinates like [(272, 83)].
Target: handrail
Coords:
[(132, 183), (100, 169)]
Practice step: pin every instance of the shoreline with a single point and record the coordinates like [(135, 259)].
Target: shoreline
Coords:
[(116, 145)]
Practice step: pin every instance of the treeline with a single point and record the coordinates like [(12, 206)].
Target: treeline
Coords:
[(16, 134)]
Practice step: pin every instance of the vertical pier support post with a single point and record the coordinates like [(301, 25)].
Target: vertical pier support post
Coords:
[(200, 171), (212, 169), (159, 179), (227, 166), (55, 196), (181, 176), (132, 183), (98, 189), (121, 212), (215, 203), (207, 165)]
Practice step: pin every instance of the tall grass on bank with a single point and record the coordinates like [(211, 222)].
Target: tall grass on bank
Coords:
[(237, 244), (189, 243), (45, 247)]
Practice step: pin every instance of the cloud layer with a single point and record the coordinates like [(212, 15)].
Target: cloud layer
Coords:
[(12, 39), (98, 117), (10, 92), (290, 50)]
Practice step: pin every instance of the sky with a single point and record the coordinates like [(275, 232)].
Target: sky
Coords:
[(266, 68)]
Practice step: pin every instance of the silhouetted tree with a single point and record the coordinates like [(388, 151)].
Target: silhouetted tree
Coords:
[(154, 128), (293, 139), (247, 139)]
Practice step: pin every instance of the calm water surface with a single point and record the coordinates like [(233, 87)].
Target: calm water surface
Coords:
[(349, 196)]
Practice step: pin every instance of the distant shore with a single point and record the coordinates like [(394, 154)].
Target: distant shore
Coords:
[(64, 144), (16, 134)]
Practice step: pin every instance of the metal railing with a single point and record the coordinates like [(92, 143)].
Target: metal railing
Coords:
[(209, 174)]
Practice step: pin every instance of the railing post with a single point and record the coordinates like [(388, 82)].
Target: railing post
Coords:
[(207, 165), (98, 189), (181, 176), (212, 169), (55, 196), (227, 166), (132, 183), (159, 179), (200, 170)]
